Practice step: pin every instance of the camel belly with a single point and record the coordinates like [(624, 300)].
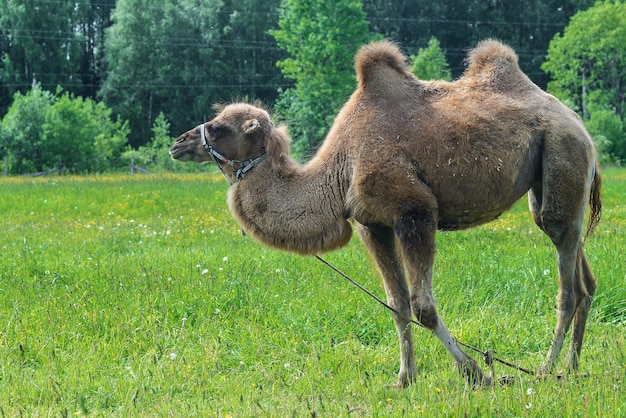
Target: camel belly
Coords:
[(454, 221), (467, 204)]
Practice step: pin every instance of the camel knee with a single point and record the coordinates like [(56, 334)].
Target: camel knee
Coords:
[(562, 232), (425, 312), (417, 226), (555, 229)]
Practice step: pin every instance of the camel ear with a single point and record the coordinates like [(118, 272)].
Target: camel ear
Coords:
[(250, 126)]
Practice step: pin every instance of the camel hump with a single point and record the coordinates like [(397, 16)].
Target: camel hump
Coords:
[(495, 62), (379, 61)]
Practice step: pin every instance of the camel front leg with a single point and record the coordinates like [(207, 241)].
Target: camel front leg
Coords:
[(380, 242), (415, 232)]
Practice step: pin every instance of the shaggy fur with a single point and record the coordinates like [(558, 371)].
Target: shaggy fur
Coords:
[(406, 157)]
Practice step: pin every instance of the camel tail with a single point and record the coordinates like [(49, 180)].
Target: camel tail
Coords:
[(595, 202)]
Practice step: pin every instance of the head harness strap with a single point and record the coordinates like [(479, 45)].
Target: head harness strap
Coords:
[(240, 167)]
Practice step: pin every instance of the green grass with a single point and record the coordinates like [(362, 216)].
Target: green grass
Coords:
[(138, 296)]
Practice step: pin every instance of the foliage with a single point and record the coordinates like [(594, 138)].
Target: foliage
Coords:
[(162, 55), (80, 135), (21, 130), (430, 63), (250, 52), (181, 56), (527, 26), (321, 38), (154, 156), (43, 131), (51, 42), (608, 131), (138, 296), (588, 65)]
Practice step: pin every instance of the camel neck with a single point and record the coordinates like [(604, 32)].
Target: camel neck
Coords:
[(300, 209)]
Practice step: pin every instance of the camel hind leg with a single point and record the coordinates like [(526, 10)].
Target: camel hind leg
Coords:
[(585, 288), (559, 212)]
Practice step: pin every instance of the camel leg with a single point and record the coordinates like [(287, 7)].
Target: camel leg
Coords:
[(585, 289), (565, 232), (380, 242), (415, 232)]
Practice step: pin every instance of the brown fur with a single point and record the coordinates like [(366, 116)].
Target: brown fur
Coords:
[(406, 157)]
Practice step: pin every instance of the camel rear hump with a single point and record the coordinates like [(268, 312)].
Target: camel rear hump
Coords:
[(497, 64), (379, 65)]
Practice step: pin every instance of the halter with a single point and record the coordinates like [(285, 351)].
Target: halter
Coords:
[(243, 166)]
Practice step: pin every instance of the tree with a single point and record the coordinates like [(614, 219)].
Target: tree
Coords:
[(430, 63), (92, 18), (37, 43), (80, 134), (165, 56), (250, 52), (54, 43), (321, 38), (42, 130), (21, 130), (587, 64), (527, 26)]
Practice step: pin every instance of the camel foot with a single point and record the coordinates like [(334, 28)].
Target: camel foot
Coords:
[(506, 380), (398, 385), (404, 381), (473, 375)]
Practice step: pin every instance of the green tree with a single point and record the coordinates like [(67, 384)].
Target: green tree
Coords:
[(527, 26), (607, 130), (92, 18), (21, 130), (321, 38), (165, 56), (588, 66), (80, 134), (430, 63), (250, 52), (55, 43)]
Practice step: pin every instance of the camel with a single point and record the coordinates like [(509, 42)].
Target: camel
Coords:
[(405, 158)]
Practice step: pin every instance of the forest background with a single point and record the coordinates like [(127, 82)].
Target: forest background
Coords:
[(90, 85)]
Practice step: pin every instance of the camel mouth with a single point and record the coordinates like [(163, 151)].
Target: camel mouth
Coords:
[(180, 153)]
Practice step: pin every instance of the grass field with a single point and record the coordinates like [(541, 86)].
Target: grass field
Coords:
[(138, 296)]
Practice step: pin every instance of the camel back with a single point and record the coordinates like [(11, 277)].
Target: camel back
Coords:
[(380, 64)]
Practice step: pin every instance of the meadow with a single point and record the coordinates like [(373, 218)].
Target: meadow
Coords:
[(139, 296)]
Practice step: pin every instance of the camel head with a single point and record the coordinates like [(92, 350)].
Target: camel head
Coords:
[(240, 137), (236, 133)]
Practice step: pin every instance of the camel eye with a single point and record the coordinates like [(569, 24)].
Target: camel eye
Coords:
[(216, 130)]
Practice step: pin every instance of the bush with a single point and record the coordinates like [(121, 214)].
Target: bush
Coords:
[(155, 156), (80, 134), (430, 63), (21, 130), (607, 130), (42, 130)]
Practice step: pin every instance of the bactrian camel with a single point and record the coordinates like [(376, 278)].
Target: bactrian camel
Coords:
[(405, 158)]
